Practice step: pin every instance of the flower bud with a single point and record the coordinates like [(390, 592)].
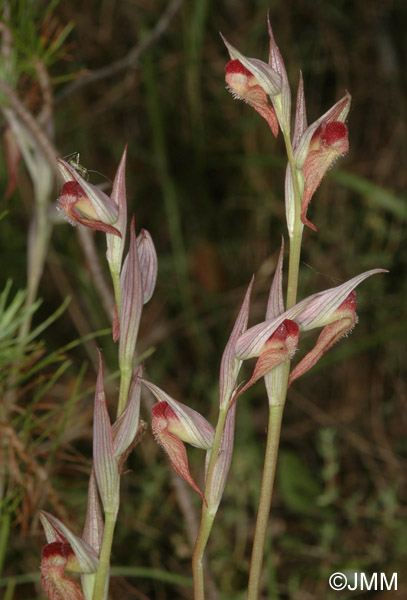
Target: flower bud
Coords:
[(147, 258)]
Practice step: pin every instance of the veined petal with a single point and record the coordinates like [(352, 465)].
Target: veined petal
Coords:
[(222, 465), (132, 302), (104, 460), (93, 529), (321, 306), (277, 63), (343, 320), (300, 114), (115, 244), (275, 305), (126, 427), (147, 257)]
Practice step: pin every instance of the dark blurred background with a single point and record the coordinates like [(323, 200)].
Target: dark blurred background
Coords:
[(205, 177)]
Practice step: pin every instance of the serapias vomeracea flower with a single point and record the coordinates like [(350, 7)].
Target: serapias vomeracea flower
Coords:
[(66, 551), (84, 203), (280, 347), (316, 148), (244, 86), (333, 309), (174, 423), (252, 80), (56, 558)]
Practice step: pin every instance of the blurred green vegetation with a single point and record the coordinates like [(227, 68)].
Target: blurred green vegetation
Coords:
[(205, 177)]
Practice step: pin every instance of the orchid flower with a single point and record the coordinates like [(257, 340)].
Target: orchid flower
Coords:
[(252, 80), (315, 150), (65, 551), (174, 423), (84, 203)]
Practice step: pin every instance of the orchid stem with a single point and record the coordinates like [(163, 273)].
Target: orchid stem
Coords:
[(208, 514), (104, 557), (266, 492)]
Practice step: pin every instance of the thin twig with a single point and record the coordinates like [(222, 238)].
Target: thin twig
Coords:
[(45, 118), (29, 121), (128, 61)]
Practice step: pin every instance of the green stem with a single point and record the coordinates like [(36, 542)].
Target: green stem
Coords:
[(117, 290), (104, 557), (270, 461), (208, 514)]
